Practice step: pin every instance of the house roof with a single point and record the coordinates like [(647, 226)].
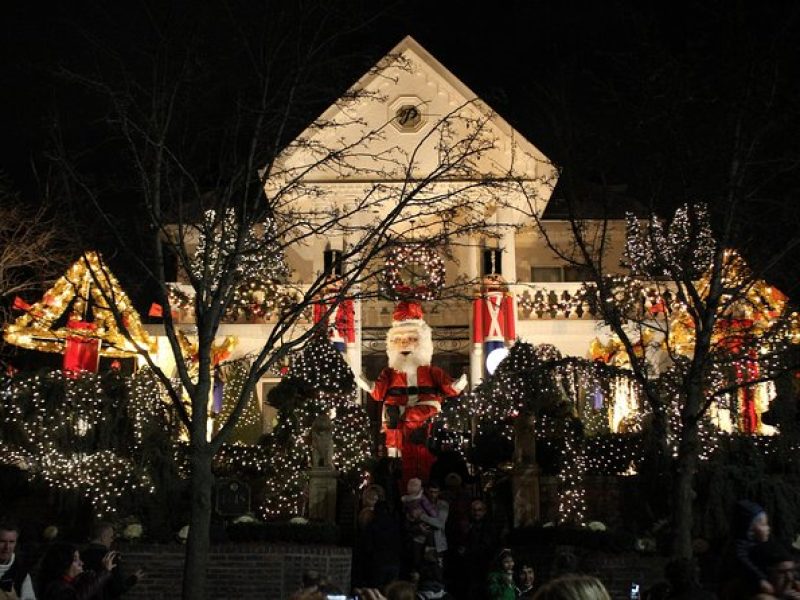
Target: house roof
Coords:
[(408, 77)]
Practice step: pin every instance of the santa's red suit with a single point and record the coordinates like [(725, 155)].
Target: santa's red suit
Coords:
[(419, 397), (411, 390)]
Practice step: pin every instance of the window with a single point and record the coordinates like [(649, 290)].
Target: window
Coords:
[(559, 274), (547, 274), (572, 273), (268, 412), (492, 261), (333, 261)]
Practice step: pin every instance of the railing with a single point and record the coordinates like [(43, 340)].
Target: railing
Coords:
[(535, 301), (568, 300)]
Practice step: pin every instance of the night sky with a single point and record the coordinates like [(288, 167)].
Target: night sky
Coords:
[(641, 97)]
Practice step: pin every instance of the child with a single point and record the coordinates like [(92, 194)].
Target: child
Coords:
[(750, 527), (415, 504), (500, 583)]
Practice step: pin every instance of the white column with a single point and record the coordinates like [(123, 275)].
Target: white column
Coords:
[(473, 258), (508, 244)]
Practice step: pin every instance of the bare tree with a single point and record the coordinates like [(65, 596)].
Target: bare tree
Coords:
[(708, 153), (233, 194), (33, 250)]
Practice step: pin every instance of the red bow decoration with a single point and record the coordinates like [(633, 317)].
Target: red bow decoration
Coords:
[(20, 304)]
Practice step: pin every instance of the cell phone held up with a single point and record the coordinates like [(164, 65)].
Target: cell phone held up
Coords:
[(636, 593)]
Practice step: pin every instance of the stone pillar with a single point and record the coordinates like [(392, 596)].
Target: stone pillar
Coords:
[(322, 493), (525, 490)]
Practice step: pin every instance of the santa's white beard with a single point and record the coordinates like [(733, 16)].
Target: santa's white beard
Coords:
[(404, 364)]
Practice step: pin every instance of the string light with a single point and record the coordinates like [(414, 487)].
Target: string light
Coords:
[(87, 287), (85, 434), (318, 381)]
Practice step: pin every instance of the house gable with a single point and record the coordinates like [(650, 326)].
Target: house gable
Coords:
[(389, 125)]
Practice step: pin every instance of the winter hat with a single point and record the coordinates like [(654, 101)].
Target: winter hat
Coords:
[(745, 513), (414, 486), (407, 313)]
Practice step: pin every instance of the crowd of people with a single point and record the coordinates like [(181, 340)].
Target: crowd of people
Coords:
[(439, 541), (64, 571), (433, 542)]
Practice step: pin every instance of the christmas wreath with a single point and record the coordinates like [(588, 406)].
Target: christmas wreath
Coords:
[(413, 271)]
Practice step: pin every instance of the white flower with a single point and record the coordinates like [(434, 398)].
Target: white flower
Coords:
[(132, 531), (298, 521), (50, 533), (596, 526), (549, 524)]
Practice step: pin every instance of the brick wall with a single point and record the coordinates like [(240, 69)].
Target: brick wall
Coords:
[(236, 571)]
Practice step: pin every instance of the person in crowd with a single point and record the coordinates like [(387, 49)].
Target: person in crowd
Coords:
[(657, 591), (449, 460), (430, 585), (387, 473), (382, 546), (684, 582), (750, 527), (455, 528), (573, 587), (415, 506), (780, 568), (526, 578), (369, 498), (397, 590), (480, 544), (362, 560), (100, 544), (15, 578), (500, 582), (438, 521), (62, 576)]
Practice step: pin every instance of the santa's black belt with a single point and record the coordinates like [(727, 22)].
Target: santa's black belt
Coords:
[(411, 391)]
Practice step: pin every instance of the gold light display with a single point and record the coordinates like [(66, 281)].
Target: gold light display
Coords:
[(88, 285)]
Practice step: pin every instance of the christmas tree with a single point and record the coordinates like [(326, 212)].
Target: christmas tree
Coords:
[(319, 380)]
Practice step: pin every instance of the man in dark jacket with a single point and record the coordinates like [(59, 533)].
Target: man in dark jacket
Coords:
[(92, 555)]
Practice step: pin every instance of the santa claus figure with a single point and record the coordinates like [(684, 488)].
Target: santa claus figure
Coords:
[(412, 391)]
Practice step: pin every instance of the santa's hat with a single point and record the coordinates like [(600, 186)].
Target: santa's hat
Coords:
[(407, 314)]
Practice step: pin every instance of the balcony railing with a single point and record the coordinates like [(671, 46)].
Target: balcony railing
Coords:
[(535, 301), (567, 300)]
